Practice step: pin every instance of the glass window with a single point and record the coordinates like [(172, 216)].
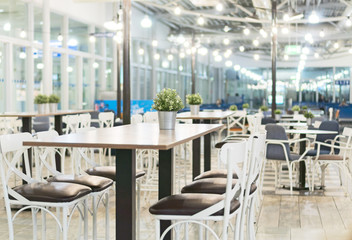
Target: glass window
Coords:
[(38, 24), (13, 19), (109, 47), (87, 98), (72, 87), (97, 81), (108, 74), (56, 30), (19, 79), (2, 80), (57, 75), (78, 36), (98, 42)]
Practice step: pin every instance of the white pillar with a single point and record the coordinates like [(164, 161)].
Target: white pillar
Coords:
[(47, 79), (300, 91), (350, 85), (91, 74), (102, 67), (333, 85), (317, 93), (30, 60), (8, 64), (114, 64), (79, 82), (64, 65)]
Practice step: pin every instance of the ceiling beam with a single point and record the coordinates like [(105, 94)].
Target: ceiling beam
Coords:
[(348, 3)]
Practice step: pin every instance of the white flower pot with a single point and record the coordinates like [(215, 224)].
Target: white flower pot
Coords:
[(167, 120), (309, 121), (295, 112), (53, 107), (194, 109), (41, 108), (277, 117)]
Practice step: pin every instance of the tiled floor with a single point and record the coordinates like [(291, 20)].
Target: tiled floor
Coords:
[(324, 214)]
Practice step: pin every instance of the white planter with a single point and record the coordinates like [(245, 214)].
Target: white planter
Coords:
[(167, 120), (309, 121), (277, 117), (295, 112), (53, 107), (194, 109), (41, 108)]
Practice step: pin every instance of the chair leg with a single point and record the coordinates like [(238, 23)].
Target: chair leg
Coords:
[(43, 224), (64, 223), (290, 177), (157, 229), (200, 232), (107, 216), (94, 211), (58, 230), (250, 223), (138, 210), (34, 222), (85, 219)]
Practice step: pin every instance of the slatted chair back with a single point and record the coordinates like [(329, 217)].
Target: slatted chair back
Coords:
[(72, 123), (151, 117), (136, 118), (106, 119), (84, 120)]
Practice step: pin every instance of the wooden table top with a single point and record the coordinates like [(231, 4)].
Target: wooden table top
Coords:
[(206, 115), (36, 114), (310, 131), (136, 136)]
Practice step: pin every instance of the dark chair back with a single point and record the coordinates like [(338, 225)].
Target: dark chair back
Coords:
[(268, 120), (274, 151), (329, 126)]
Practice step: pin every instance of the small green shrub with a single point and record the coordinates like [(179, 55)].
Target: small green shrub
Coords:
[(264, 108), (308, 115), (41, 98), (296, 108), (277, 111), (245, 105), (53, 98), (194, 99), (233, 108)]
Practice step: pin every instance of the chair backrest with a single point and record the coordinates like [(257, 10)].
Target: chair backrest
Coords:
[(84, 120), (274, 151), (136, 118), (151, 117), (72, 123), (235, 156), (331, 111), (330, 126), (106, 119), (254, 122), (268, 120), (12, 155)]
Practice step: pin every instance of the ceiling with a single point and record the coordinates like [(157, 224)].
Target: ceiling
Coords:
[(256, 15)]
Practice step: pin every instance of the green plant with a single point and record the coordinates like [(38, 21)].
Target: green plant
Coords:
[(41, 98), (304, 107), (296, 108), (308, 115), (264, 108), (245, 105), (277, 111), (233, 108), (167, 100), (194, 99), (54, 98)]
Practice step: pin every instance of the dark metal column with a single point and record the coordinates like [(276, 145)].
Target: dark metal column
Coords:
[(125, 194), (193, 66), (118, 81), (27, 127), (58, 129), (126, 62), (207, 149), (273, 57), (165, 182), (195, 157), (302, 165)]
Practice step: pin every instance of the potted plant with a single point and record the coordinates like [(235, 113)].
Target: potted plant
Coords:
[(263, 109), (194, 100), (41, 100), (245, 106), (277, 114), (167, 103), (309, 116), (296, 109), (53, 101), (233, 107)]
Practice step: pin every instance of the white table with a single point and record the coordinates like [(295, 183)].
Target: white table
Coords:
[(292, 124)]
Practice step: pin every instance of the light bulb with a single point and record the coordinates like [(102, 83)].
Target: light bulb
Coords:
[(241, 48), (263, 33), (350, 50), (256, 57), (305, 50), (237, 67), (182, 55), (255, 42), (111, 25), (336, 45), (316, 55), (219, 7), (60, 38), (23, 34), (348, 22), (170, 57), (322, 34), (154, 43), (227, 28), (180, 68), (69, 69), (92, 39), (146, 22), (228, 63), (95, 65), (246, 31), (313, 18), (177, 10), (23, 55), (141, 51), (40, 66), (226, 41), (156, 56), (7, 27), (285, 30), (201, 20), (72, 42), (203, 51), (215, 53), (286, 17), (218, 58), (165, 64), (286, 57)]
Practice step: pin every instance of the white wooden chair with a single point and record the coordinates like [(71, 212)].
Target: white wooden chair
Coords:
[(84, 120), (216, 207), (106, 120), (36, 195)]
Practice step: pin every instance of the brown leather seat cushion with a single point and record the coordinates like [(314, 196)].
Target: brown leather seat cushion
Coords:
[(110, 172), (211, 185), (189, 204), (96, 183), (331, 157), (52, 191), (217, 173)]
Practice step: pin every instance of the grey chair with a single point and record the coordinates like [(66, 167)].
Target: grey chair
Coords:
[(268, 120), (325, 125), (278, 152), (41, 124)]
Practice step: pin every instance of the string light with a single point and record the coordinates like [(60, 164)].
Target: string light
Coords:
[(22, 55), (7, 27), (219, 7), (246, 31), (348, 22), (141, 51), (237, 67), (177, 10), (226, 41), (92, 39), (95, 65), (313, 18), (322, 34), (227, 28), (286, 17), (182, 55), (154, 43), (316, 55), (201, 20), (228, 63), (170, 57), (286, 57), (23, 34), (60, 38), (256, 57), (285, 30), (256, 42), (336, 45), (241, 48), (146, 22), (156, 56), (218, 58)]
